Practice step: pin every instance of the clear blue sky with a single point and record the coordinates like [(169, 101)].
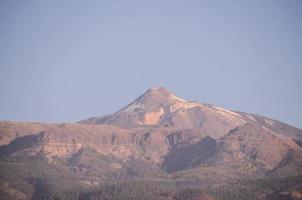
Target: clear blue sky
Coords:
[(63, 61)]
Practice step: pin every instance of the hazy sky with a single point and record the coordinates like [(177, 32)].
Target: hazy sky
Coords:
[(63, 61)]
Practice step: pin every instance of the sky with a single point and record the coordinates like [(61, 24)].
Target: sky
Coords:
[(64, 61)]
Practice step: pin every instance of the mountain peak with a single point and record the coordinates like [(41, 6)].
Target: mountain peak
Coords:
[(159, 106), (153, 98), (159, 90)]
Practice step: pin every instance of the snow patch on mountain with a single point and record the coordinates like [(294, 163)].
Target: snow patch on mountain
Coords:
[(177, 98), (134, 106)]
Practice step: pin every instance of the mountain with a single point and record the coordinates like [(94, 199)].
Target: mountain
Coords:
[(159, 107), (157, 147)]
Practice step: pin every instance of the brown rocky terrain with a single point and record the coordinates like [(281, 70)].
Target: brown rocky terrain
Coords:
[(173, 143)]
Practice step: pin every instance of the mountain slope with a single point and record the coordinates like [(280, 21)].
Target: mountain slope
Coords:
[(159, 107)]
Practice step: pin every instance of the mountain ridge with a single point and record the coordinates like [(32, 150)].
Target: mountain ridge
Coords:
[(160, 107)]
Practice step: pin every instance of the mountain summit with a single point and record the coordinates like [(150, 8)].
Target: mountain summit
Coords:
[(152, 98), (160, 107)]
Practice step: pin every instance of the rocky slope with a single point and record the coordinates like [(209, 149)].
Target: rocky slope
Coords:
[(159, 137), (159, 107)]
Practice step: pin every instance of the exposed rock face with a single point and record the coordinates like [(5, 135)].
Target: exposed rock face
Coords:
[(155, 136), (152, 118)]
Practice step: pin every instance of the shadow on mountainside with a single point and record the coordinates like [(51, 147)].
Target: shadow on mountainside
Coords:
[(181, 158), (20, 144)]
